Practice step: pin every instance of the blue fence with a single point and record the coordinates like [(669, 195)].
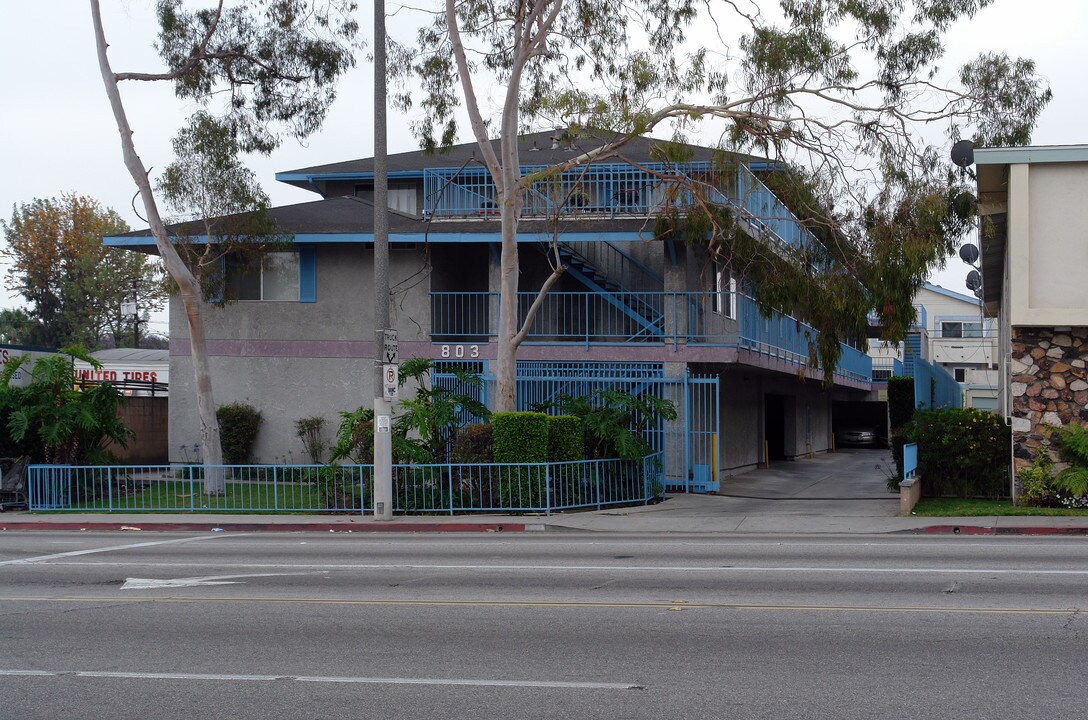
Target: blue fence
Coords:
[(589, 318), (441, 488), (689, 444), (935, 387)]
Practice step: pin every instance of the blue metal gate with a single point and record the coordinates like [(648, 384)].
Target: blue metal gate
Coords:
[(689, 444)]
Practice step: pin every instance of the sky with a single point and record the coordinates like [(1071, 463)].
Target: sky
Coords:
[(57, 133)]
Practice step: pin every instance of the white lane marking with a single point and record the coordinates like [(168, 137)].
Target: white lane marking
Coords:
[(74, 553), (590, 568), (473, 682), (155, 584)]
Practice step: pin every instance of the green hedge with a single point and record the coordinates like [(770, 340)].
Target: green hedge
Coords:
[(900, 401), (238, 426), (519, 437), (472, 444), (565, 439), (962, 452)]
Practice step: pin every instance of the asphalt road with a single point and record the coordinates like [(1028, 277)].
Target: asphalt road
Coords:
[(541, 626)]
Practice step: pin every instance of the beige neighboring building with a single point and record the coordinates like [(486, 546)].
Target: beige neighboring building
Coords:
[(956, 335), (1034, 239)]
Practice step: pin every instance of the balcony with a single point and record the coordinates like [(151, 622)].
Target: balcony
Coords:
[(674, 320), (611, 190), (977, 349)]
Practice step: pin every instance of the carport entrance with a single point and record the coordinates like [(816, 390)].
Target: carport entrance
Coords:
[(774, 425), (861, 414)]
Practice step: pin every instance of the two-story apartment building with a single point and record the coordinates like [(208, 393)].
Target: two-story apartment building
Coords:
[(954, 333), (1034, 254), (632, 310)]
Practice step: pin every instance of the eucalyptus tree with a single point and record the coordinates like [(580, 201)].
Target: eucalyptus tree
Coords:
[(216, 196), (841, 89), (274, 64)]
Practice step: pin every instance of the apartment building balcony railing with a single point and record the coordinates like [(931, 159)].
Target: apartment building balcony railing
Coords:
[(656, 318), (920, 322), (886, 367), (618, 189)]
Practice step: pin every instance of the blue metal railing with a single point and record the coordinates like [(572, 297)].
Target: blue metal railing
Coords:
[(665, 318), (883, 368), (440, 488), (618, 267), (620, 189), (181, 488)]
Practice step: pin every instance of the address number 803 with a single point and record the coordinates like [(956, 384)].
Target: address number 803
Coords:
[(460, 351)]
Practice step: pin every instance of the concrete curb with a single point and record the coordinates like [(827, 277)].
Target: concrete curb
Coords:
[(395, 527), (1009, 530)]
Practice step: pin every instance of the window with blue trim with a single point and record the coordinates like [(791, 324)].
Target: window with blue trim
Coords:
[(272, 277)]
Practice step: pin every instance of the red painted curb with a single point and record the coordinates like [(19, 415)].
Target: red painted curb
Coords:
[(417, 527), (985, 530)]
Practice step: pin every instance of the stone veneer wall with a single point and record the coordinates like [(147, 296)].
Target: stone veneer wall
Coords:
[(1049, 386)]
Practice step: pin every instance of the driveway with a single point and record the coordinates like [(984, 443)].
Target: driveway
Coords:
[(846, 482), (837, 492)]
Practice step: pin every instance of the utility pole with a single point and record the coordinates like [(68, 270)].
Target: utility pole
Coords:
[(383, 427)]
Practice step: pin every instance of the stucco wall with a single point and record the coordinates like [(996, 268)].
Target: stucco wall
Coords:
[(808, 417), (293, 360)]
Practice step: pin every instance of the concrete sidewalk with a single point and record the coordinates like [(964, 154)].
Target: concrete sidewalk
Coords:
[(677, 514)]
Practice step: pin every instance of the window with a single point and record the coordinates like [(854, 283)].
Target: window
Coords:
[(962, 329), (274, 276), (725, 292), (960, 374), (402, 195)]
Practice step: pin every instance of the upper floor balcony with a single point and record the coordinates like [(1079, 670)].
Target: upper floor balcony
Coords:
[(610, 190), (675, 321), (975, 348)]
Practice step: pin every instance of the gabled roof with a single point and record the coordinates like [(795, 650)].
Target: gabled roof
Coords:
[(540, 148), (950, 293), (351, 219)]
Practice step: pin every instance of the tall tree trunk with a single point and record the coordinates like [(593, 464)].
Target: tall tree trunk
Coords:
[(506, 358), (189, 287)]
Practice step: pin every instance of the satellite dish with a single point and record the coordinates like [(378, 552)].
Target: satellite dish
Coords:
[(969, 254), (963, 153), (974, 281)]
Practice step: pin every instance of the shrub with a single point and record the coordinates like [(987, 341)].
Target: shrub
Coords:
[(616, 423), (238, 426), (520, 437), (962, 452), (1037, 482), (565, 439), (1073, 447), (472, 444), (355, 437), (900, 401), (51, 422), (355, 440), (435, 412), (311, 430)]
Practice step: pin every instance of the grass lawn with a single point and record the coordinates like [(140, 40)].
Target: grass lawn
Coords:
[(960, 507), (174, 495)]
